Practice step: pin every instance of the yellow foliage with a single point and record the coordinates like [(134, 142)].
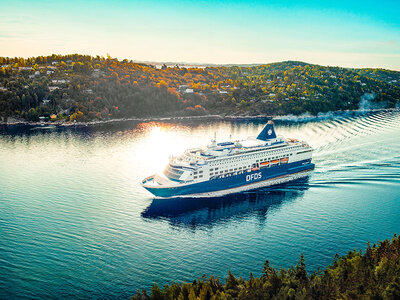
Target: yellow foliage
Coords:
[(76, 116), (162, 83)]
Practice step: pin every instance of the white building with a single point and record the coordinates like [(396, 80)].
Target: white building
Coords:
[(53, 88)]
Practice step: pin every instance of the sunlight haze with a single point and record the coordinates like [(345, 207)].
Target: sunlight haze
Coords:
[(338, 33)]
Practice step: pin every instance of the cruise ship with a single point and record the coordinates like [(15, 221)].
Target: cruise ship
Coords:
[(233, 167)]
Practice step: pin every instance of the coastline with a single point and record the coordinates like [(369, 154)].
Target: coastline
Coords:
[(289, 117)]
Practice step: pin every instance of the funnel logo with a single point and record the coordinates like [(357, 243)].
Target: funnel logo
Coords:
[(269, 132)]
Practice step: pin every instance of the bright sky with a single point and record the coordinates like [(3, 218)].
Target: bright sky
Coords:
[(340, 33)]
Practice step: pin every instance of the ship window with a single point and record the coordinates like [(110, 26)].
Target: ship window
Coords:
[(195, 173), (172, 173), (195, 177), (230, 170), (216, 169), (200, 176), (211, 169), (200, 172)]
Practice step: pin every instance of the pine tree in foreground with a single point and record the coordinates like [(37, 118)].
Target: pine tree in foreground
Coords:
[(374, 274)]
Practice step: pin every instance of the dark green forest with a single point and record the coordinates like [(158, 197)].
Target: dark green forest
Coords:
[(86, 88), (374, 274)]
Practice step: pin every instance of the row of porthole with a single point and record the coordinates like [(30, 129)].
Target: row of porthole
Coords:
[(276, 157), (235, 173), (251, 157), (235, 169)]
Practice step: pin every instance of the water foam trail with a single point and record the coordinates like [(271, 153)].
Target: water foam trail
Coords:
[(354, 143)]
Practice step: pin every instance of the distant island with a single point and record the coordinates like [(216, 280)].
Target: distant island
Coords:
[(374, 274), (70, 88)]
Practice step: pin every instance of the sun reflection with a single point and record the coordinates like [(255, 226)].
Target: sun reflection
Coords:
[(161, 141), (149, 126)]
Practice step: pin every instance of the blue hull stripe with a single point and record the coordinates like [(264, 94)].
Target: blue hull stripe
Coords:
[(232, 181)]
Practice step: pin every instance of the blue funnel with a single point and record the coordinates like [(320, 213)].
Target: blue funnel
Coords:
[(268, 132)]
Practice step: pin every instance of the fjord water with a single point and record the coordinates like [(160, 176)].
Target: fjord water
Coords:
[(74, 221)]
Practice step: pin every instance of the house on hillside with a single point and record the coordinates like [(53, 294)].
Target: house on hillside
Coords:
[(96, 73), (53, 88), (59, 81)]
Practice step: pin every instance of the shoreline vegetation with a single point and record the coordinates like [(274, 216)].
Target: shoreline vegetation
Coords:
[(374, 274), (83, 89), (203, 117)]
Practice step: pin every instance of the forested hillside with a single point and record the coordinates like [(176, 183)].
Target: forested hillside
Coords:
[(85, 88), (374, 274)]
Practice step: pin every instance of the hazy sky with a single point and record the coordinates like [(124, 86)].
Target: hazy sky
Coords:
[(344, 33)]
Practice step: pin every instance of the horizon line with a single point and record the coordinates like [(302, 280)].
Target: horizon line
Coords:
[(208, 64)]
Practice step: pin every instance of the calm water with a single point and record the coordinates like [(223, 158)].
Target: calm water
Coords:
[(74, 220)]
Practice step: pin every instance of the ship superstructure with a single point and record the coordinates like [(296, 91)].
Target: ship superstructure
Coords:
[(233, 166)]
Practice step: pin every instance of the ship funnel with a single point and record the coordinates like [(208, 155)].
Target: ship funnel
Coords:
[(268, 132)]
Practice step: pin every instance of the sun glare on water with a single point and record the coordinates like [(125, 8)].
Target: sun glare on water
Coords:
[(160, 143)]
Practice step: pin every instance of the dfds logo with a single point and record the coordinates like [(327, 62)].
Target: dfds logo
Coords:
[(253, 176)]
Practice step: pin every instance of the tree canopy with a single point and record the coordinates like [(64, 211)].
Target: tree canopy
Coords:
[(106, 88), (374, 274)]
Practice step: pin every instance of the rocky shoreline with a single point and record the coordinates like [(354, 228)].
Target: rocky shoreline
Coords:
[(148, 119), (303, 117)]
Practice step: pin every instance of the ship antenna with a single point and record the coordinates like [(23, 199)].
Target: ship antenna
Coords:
[(214, 141)]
